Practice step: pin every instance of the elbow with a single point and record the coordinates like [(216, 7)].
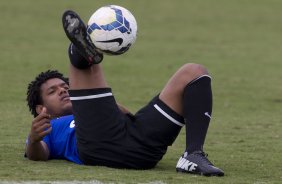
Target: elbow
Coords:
[(37, 157)]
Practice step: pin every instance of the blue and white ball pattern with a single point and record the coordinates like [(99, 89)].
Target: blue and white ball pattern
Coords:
[(112, 29)]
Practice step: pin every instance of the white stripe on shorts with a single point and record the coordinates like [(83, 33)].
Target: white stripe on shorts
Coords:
[(168, 116), (91, 96)]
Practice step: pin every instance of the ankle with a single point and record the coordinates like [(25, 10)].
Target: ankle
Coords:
[(76, 59)]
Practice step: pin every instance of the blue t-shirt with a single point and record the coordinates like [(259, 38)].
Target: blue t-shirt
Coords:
[(61, 141)]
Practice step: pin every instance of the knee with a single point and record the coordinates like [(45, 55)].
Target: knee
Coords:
[(194, 70)]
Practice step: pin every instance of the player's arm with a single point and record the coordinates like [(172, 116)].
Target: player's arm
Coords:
[(36, 149)]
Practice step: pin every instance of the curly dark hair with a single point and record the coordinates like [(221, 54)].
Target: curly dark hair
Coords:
[(33, 90)]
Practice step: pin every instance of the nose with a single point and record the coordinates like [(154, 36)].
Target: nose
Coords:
[(62, 90)]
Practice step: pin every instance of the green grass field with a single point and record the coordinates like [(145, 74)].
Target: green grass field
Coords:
[(239, 41)]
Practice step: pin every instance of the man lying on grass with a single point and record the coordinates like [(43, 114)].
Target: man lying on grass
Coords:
[(80, 121)]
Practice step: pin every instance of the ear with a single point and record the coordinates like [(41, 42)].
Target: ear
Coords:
[(39, 108)]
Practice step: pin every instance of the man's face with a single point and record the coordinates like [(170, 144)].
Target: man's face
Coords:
[(55, 97)]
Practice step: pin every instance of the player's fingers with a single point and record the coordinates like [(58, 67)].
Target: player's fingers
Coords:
[(44, 111), (43, 114), (38, 124), (41, 117), (42, 128), (46, 132), (38, 134)]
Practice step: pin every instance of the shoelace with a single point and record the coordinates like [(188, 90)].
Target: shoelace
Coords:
[(203, 156)]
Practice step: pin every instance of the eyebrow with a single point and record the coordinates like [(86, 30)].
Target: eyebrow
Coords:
[(55, 86)]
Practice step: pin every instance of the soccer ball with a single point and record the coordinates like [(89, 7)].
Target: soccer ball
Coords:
[(112, 29)]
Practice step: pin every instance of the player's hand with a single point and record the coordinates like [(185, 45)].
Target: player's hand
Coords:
[(40, 126)]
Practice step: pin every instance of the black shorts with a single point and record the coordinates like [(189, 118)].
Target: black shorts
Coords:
[(108, 137)]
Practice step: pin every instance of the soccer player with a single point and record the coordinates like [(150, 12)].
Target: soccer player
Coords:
[(80, 121)]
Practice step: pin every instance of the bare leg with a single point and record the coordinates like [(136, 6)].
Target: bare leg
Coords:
[(172, 94), (89, 78)]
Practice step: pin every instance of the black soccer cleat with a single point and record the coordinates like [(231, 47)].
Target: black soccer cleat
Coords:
[(75, 30), (197, 163)]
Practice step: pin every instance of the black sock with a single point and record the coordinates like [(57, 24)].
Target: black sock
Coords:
[(76, 59), (197, 112)]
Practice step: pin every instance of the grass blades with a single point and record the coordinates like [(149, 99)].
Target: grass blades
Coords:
[(239, 41)]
